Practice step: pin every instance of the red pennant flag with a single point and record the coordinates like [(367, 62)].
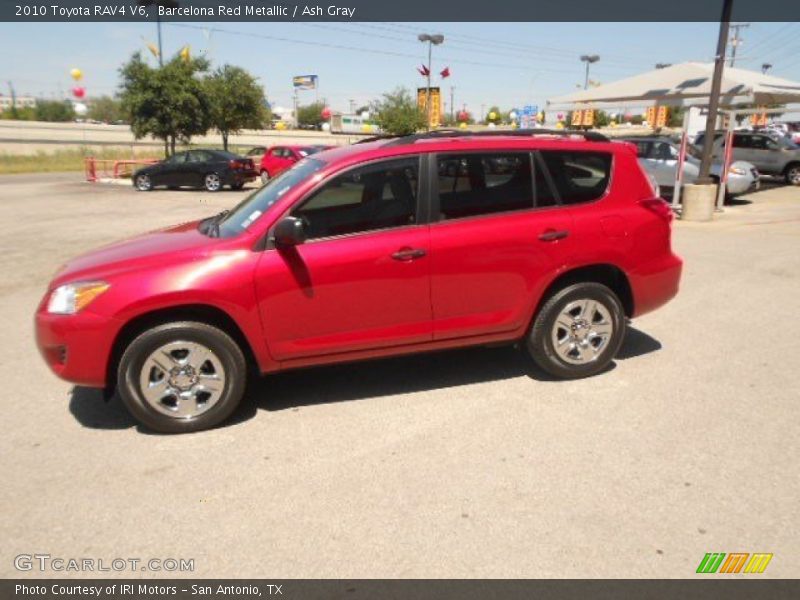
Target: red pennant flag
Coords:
[(423, 70), (445, 73)]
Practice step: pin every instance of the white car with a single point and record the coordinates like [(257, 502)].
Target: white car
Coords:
[(659, 157)]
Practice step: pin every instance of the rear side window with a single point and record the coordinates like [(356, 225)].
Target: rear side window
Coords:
[(484, 183), (578, 176)]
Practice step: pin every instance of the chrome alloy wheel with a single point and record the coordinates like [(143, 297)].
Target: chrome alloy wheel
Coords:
[(264, 178), (582, 331), (143, 183), (182, 379), (213, 182), (793, 176)]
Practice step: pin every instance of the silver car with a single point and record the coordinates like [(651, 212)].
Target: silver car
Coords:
[(659, 157), (776, 155)]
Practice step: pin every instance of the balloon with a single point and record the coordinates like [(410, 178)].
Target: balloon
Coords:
[(492, 116), (78, 92), (76, 74), (80, 108), (326, 113), (462, 125), (560, 116), (559, 125), (326, 127), (512, 115), (366, 128), (463, 116), (280, 125), (491, 125)]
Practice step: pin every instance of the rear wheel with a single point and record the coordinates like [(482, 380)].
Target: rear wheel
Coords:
[(792, 174), (237, 186), (212, 182), (182, 377), (143, 182), (578, 331)]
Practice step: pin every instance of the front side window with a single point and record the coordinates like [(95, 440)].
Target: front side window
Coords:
[(375, 196), (578, 176), (472, 184)]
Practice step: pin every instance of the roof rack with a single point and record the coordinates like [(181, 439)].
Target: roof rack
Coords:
[(590, 136)]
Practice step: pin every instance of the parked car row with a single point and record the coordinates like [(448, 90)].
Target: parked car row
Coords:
[(771, 154), (214, 169)]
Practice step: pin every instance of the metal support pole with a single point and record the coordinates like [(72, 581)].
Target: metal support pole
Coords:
[(586, 79), (428, 93), (726, 162), (676, 191)]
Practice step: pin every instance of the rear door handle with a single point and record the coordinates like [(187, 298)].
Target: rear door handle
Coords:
[(406, 254), (551, 235)]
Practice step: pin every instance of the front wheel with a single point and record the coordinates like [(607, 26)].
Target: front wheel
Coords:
[(182, 377), (212, 182), (143, 183), (578, 331)]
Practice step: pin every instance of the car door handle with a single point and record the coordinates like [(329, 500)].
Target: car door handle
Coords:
[(551, 235), (406, 254)]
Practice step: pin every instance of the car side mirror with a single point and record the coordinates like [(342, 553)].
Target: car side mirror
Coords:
[(289, 232)]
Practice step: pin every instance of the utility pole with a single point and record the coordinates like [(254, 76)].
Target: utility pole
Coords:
[(452, 104), (713, 101), (352, 106), (736, 40)]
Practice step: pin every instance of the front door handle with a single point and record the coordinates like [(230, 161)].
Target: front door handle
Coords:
[(551, 235), (407, 254)]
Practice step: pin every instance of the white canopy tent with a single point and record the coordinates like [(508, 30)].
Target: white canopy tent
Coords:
[(685, 84), (688, 84)]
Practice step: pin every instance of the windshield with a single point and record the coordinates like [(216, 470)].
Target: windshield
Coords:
[(308, 150), (257, 203)]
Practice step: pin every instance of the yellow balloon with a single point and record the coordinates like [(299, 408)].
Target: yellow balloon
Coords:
[(366, 128), (462, 125), (559, 125), (76, 74), (280, 125), (492, 115)]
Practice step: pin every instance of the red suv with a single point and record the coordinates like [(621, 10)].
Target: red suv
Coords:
[(394, 246)]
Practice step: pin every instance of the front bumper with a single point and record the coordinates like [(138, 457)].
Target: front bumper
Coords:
[(76, 347)]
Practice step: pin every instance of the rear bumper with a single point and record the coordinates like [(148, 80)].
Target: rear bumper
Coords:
[(655, 284), (76, 347), (242, 176)]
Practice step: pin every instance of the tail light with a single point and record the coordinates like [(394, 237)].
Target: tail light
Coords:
[(660, 207), (240, 164)]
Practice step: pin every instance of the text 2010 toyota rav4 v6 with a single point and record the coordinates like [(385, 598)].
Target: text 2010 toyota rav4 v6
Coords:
[(389, 247)]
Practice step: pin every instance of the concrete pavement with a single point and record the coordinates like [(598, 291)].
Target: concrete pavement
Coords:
[(459, 464)]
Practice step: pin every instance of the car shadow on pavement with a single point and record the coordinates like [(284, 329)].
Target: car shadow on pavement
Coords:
[(359, 381)]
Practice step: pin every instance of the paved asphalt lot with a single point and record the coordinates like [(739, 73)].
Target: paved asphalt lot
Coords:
[(461, 464)]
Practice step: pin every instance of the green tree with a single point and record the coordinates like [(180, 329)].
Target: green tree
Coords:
[(397, 113), (310, 114), (236, 100), (54, 110), (169, 103), (105, 109)]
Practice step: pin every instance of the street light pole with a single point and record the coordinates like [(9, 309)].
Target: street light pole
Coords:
[(713, 101), (432, 40), (588, 59)]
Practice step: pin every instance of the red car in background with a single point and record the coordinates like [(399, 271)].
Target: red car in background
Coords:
[(280, 158)]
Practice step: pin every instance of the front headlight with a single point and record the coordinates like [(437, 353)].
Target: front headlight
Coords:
[(73, 297), (737, 171)]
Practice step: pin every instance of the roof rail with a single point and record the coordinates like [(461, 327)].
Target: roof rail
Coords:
[(590, 136)]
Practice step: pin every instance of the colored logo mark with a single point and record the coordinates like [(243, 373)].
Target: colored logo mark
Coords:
[(735, 562)]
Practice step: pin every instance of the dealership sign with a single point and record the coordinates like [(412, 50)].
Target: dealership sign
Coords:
[(305, 82)]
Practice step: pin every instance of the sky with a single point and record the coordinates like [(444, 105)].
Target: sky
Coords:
[(504, 64)]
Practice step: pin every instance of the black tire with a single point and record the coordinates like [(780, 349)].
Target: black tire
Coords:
[(226, 353), (542, 347), (791, 174), (237, 186)]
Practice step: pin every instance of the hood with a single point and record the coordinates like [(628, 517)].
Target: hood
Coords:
[(142, 251)]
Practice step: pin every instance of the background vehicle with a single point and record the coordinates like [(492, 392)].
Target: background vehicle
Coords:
[(256, 153), (342, 123), (659, 157), (550, 241), (772, 156), (280, 158), (209, 169)]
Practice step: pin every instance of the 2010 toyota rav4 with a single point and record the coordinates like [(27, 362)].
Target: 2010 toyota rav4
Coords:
[(389, 247)]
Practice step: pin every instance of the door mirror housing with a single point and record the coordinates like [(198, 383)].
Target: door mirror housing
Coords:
[(289, 232)]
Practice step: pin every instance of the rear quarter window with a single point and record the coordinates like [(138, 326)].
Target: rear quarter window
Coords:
[(578, 176)]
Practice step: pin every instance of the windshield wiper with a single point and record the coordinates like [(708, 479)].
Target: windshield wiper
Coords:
[(211, 225)]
